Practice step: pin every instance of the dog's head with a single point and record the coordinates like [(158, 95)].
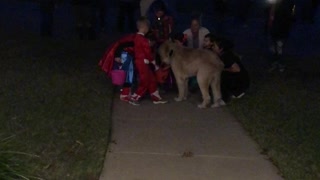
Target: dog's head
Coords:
[(166, 51)]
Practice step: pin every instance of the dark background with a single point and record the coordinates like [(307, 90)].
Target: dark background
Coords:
[(22, 17)]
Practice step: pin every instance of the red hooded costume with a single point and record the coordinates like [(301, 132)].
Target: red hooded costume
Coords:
[(106, 62)]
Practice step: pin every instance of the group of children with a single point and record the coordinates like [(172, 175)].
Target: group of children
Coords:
[(137, 47), (136, 54)]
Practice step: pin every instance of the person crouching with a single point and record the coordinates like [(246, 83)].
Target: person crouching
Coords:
[(235, 79)]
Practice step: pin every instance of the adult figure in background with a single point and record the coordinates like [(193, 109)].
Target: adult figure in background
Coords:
[(47, 9), (195, 37), (280, 21), (144, 6), (161, 21), (127, 9), (84, 11), (195, 34)]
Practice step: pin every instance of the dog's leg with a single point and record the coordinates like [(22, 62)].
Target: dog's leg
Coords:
[(204, 88), (186, 89), (216, 91), (180, 84)]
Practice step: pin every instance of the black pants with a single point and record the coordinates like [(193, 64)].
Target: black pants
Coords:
[(233, 84), (126, 10)]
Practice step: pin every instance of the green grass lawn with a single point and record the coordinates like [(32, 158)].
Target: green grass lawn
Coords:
[(282, 113), (55, 109)]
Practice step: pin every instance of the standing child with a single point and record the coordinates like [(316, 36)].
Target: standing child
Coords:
[(143, 58)]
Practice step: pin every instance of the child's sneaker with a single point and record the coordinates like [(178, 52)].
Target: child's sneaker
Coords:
[(157, 100), (125, 98), (134, 100), (238, 96)]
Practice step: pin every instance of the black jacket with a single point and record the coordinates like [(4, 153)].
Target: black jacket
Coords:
[(283, 19)]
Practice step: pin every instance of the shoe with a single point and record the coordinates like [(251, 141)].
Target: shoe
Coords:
[(160, 101), (281, 68), (134, 100), (124, 98), (239, 96), (273, 67), (157, 100)]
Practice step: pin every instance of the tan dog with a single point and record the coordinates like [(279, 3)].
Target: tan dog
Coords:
[(187, 62)]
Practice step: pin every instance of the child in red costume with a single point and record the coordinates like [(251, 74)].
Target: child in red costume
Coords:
[(143, 58)]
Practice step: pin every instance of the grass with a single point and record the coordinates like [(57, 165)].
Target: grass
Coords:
[(282, 114), (56, 106)]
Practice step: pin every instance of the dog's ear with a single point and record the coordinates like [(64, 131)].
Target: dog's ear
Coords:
[(171, 53)]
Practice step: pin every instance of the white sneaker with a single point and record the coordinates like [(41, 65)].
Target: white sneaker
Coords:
[(239, 96)]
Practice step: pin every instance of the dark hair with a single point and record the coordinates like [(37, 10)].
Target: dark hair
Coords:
[(160, 6), (178, 36), (211, 36), (150, 36), (224, 43)]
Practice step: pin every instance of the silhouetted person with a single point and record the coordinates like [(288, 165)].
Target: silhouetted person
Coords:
[(84, 11), (127, 9), (47, 9), (280, 21)]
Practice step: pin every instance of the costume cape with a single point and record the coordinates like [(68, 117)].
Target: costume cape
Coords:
[(107, 61)]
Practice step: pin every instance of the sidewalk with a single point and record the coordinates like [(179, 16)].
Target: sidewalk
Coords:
[(149, 141)]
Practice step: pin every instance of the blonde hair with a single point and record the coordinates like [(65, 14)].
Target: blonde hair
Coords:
[(143, 21)]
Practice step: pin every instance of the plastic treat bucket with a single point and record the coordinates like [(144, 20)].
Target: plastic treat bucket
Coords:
[(118, 77)]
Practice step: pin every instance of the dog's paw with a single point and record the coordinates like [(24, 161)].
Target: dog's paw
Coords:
[(215, 105), (177, 99), (219, 103), (201, 106)]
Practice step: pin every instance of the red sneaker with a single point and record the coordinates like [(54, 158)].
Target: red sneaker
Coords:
[(124, 98), (134, 100), (158, 100)]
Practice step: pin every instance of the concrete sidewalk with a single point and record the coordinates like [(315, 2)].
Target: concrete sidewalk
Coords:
[(178, 141)]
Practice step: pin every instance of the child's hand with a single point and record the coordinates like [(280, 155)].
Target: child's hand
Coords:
[(117, 59)]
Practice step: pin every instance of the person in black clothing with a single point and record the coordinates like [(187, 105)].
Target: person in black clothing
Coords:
[(280, 21), (235, 79), (127, 9)]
